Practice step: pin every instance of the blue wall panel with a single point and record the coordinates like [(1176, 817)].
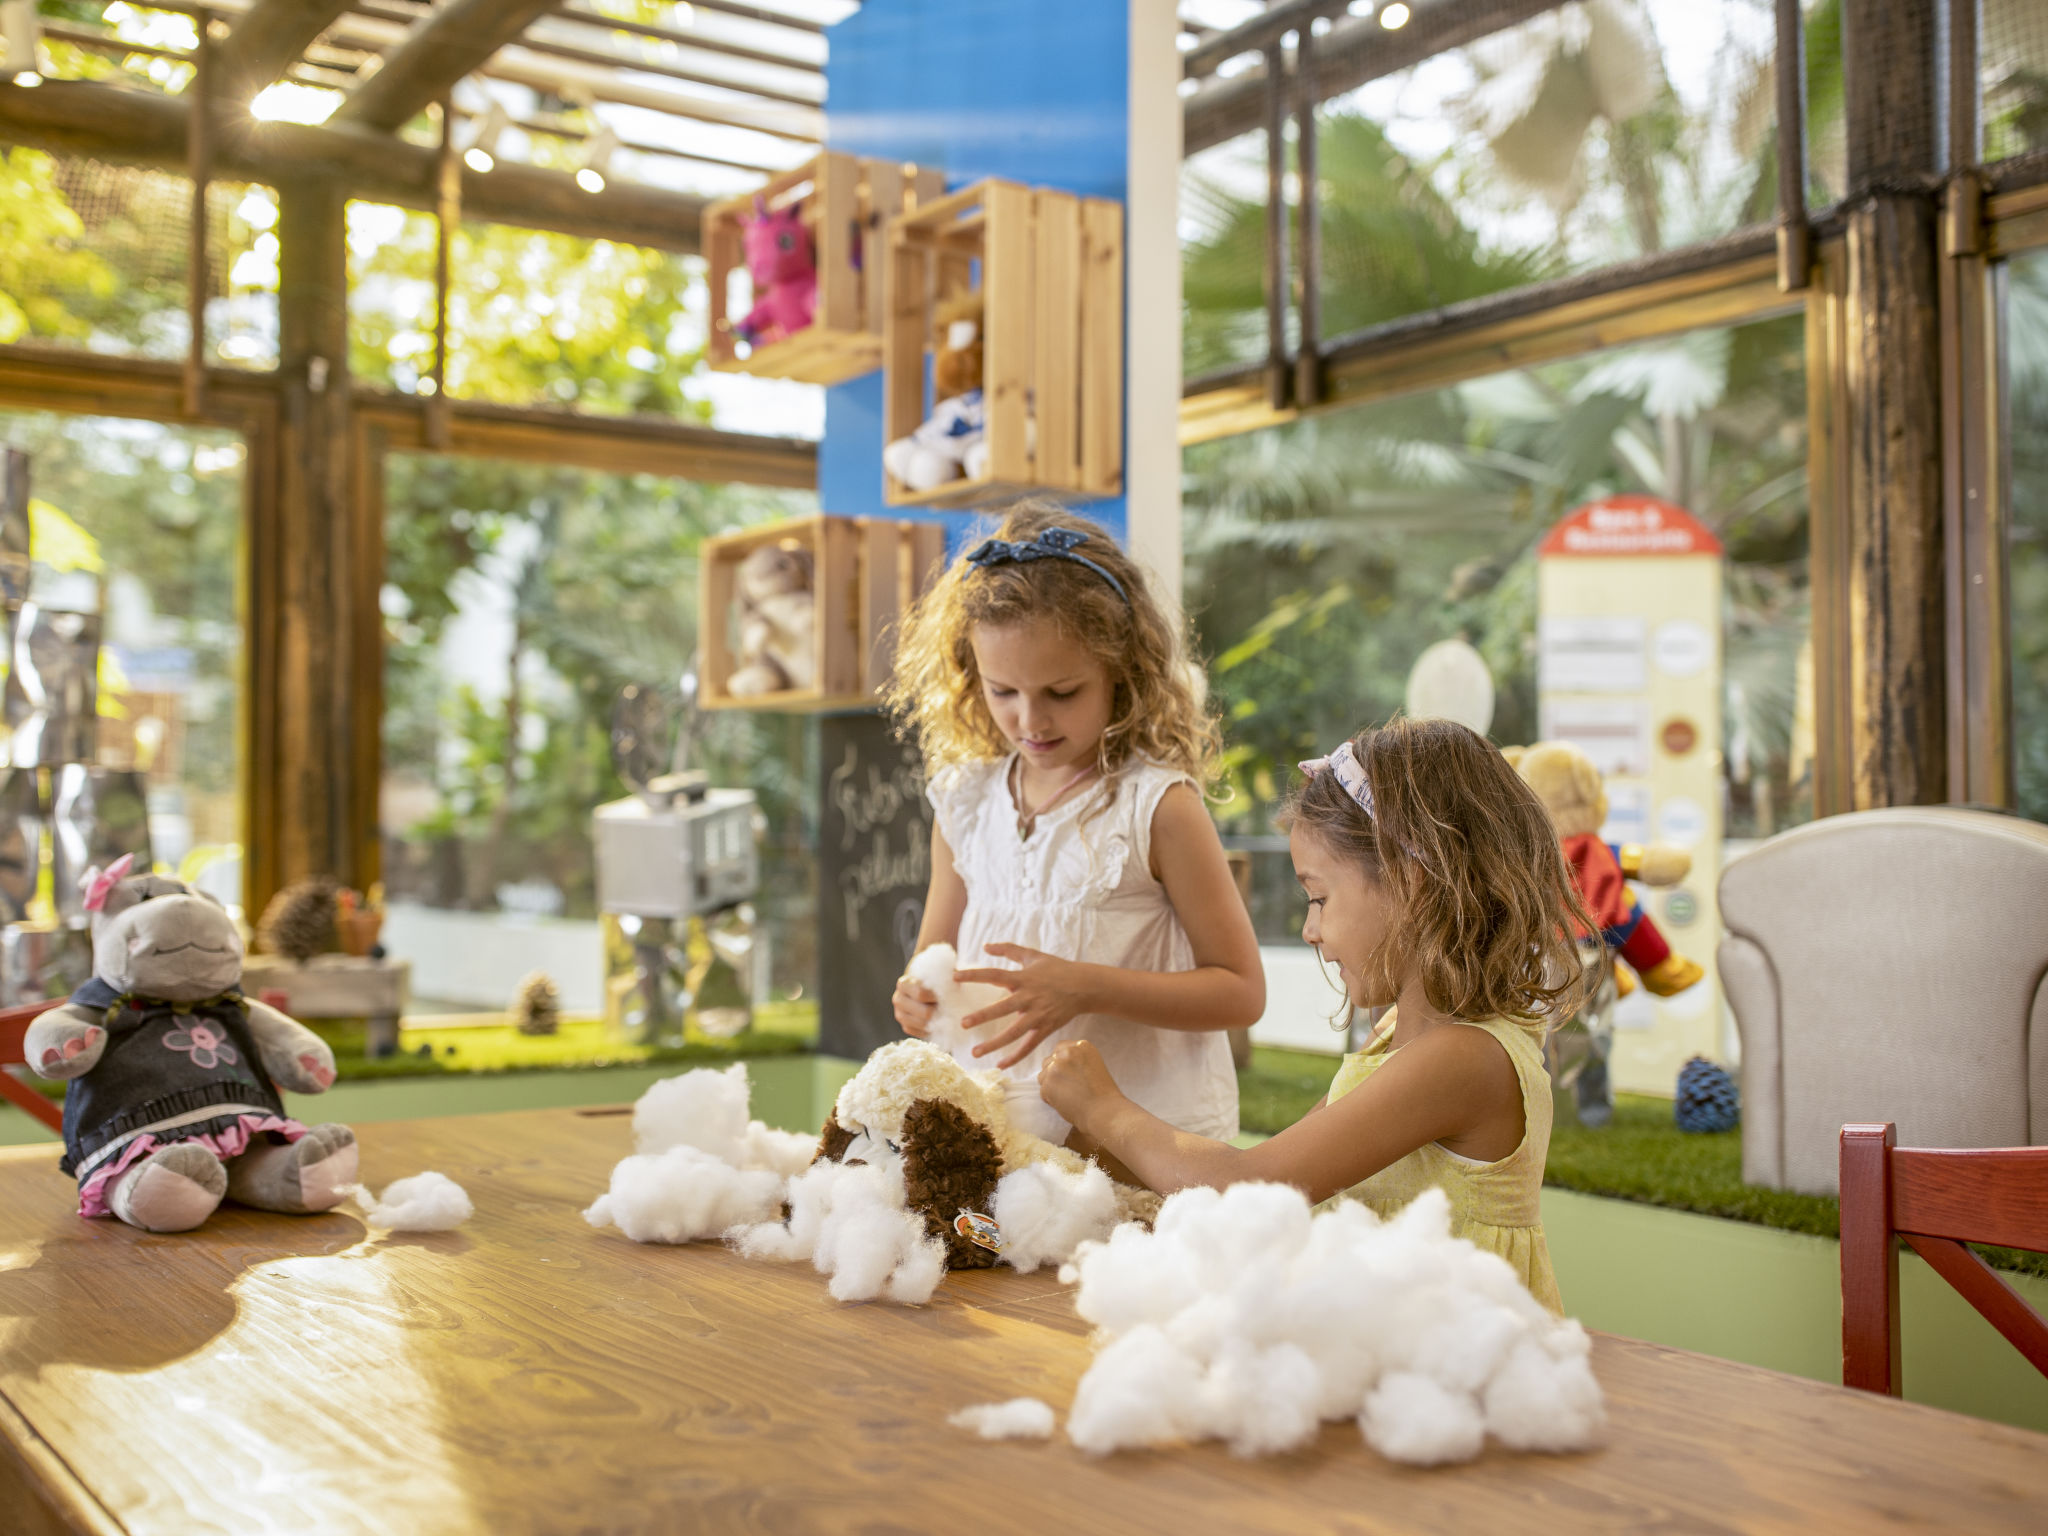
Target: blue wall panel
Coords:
[(1032, 90)]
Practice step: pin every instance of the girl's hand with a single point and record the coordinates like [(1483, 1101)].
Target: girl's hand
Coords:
[(915, 1004), (1075, 1082), (1045, 996)]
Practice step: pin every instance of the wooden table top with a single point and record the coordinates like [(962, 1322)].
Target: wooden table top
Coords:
[(527, 1373)]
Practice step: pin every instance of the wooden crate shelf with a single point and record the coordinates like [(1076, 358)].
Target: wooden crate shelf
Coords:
[(865, 574), (1050, 267), (846, 203)]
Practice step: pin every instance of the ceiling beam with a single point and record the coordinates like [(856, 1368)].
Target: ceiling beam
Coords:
[(438, 51), (267, 40), (137, 127), (1347, 56)]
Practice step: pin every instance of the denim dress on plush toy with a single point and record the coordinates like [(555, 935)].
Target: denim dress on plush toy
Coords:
[(170, 1072)]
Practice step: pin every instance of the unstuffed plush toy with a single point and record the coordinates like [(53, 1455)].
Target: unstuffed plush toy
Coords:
[(1570, 787), (783, 265), (952, 1135), (173, 1101), (778, 621), (953, 441)]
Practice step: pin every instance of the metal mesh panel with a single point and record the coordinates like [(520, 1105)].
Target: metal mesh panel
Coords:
[(2013, 69), (95, 255)]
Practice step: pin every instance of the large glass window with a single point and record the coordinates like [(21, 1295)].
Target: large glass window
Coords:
[(2026, 339), (1326, 555), (1586, 136), (518, 601), (142, 523)]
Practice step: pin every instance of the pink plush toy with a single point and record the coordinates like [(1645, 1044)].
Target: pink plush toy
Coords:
[(785, 273)]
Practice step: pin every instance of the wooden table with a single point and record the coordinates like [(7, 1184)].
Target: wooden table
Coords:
[(529, 1374)]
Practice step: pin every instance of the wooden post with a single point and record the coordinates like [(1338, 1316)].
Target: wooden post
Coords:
[(304, 730), (1979, 679), (1893, 378), (1308, 361), (1279, 383), (199, 167), (1795, 236), (1870, 1261), (447, 219)]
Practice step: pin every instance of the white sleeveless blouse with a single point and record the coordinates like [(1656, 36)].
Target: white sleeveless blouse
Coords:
[(1081, 887)]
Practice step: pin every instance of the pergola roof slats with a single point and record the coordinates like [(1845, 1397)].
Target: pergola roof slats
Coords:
[(691, 39), (440, 49), (265, 41)]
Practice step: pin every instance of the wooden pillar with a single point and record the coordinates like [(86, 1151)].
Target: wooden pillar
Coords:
[(1892, 381), (303, 619)]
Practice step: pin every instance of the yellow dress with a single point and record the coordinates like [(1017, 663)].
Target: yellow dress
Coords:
[(1495, 1205)]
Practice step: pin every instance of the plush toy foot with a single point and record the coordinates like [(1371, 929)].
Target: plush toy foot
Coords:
[(314, 1173), (1674, 973), (172, 1190)]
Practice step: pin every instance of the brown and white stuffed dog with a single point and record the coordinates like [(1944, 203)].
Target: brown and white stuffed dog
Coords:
[(914, 1107)]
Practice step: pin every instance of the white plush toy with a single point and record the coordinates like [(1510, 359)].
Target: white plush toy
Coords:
[(778, 621), (951, 443)]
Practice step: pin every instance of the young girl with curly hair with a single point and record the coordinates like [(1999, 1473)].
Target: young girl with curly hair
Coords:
[(1073, 863), (1435, 884)]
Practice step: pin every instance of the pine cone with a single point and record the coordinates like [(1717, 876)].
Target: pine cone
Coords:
[(299, 922), (537, 1006), (1708, 1099)]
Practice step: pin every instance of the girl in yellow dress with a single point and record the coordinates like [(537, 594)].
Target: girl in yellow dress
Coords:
[(1435, 884)]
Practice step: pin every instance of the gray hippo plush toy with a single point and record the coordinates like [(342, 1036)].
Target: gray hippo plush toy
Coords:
[(173, 1102)]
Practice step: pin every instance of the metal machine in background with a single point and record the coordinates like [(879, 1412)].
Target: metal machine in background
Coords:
[(55, 800), (677, 869)]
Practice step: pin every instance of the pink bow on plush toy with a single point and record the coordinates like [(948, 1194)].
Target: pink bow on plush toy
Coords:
[(785, 274), (99, 884)]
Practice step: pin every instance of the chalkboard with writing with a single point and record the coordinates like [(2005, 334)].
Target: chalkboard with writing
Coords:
[(874, 866)]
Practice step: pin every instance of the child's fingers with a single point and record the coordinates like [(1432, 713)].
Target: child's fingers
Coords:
[(1017, 952), (1022, 1029), (991, 1013), (1006, 979)]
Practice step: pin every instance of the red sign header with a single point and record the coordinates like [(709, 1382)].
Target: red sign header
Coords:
[(1630, 525)]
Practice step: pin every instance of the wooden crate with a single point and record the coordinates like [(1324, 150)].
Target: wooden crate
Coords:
[(846, 203), (1050, 266), (866, 572)]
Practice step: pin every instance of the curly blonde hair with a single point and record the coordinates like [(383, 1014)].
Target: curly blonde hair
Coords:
[(1157, 709), (1486, 907)]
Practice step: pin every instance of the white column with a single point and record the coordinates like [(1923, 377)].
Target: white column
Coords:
[(1152, 297)]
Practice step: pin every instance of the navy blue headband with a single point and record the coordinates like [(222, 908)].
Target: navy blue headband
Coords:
[(1053, 544)]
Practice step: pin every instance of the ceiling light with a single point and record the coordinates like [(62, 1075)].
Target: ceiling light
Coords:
[(1394, 16), (20, 31), (597, 159), (481, 155)]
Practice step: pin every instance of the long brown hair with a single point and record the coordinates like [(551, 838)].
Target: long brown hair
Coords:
[(1485, 906), (1156, 708)]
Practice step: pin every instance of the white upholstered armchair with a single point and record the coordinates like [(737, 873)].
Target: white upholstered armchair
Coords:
[(1888, 965)]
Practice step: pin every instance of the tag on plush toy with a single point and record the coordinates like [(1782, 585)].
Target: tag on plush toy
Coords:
[(979, 1230)]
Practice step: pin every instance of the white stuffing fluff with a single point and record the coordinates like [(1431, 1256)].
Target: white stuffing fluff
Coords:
[(426, 1202), (683, 1195), (703, 1170), (700, 1165), (708, 1110), (1021, 1418), (1245, 1318), (849, 1220), (1046, 1212), (934, 967)]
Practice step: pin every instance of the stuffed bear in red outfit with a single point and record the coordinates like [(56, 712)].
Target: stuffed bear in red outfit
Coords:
[(1570, 787)]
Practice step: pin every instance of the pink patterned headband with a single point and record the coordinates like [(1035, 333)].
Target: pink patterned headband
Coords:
[(1349, 772), (99, 884)]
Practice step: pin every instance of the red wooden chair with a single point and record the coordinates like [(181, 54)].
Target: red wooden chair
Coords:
[(1937, 1200), (14, 1024)]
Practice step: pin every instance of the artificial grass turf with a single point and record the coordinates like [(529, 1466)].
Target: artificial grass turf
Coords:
[(1642, 1156)]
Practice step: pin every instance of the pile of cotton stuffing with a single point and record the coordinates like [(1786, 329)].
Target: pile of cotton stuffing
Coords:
[(1242, 1317)]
